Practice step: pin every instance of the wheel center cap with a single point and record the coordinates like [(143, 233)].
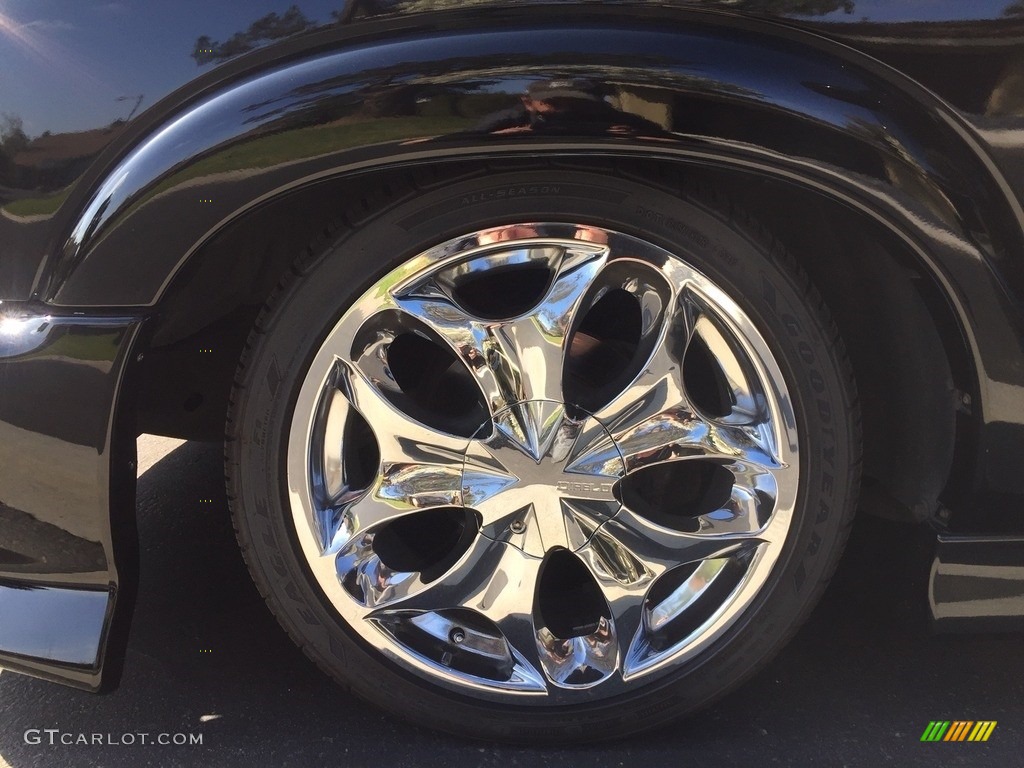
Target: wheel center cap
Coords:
[(541, 479)]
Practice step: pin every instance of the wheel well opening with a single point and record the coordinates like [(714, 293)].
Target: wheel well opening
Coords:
[(906, 348), (905, 345)]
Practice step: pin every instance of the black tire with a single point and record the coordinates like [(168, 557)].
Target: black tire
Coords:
[(730, 250)]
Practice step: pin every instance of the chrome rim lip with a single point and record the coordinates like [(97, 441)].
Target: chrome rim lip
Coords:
[(487, 244)]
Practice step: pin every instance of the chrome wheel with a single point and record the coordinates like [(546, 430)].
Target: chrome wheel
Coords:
[(542, 461)]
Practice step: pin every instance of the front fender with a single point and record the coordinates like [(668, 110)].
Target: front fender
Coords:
[(697, 87), (763, 95)]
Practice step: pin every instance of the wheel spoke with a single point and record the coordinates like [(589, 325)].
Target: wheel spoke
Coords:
[(540, 338), (657, 617), (404, 489), (521, 358), (400, 438), (582, 661), (354, 512), (410, 487), (333, 467), (679, 433), (623, 580), (369, 579), (493, 579), (652, 420), (750, 505), (746, 407), (656, 388), (628, 554), (660, 549), (475, 343)]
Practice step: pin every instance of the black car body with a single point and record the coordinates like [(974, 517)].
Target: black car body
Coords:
[(158, 161)]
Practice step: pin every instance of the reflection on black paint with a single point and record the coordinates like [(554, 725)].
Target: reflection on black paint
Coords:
[(37, 172), (794, 7), (13, 139), (573, 107), (273, 27), (33, 546), (264, 30)]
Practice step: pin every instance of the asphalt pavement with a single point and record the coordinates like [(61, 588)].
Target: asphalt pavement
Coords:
[(856, 687)]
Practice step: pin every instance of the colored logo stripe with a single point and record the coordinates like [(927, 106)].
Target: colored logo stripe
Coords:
[(958, 730), (982, 730)]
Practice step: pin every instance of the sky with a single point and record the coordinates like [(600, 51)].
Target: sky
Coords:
[(85, 55)]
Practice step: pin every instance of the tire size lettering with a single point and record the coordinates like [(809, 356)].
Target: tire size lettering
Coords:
[(504, 193)]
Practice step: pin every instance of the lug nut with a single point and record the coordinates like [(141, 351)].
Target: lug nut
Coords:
[(518, 526), (457, 636)]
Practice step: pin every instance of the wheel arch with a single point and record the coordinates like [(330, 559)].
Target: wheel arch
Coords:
[(198, 336), (712, 92)]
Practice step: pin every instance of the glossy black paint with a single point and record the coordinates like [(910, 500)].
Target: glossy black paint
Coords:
[(977, 583), (967, 53), (66, 628), (107, 214), (67, 556), (707, 90)]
